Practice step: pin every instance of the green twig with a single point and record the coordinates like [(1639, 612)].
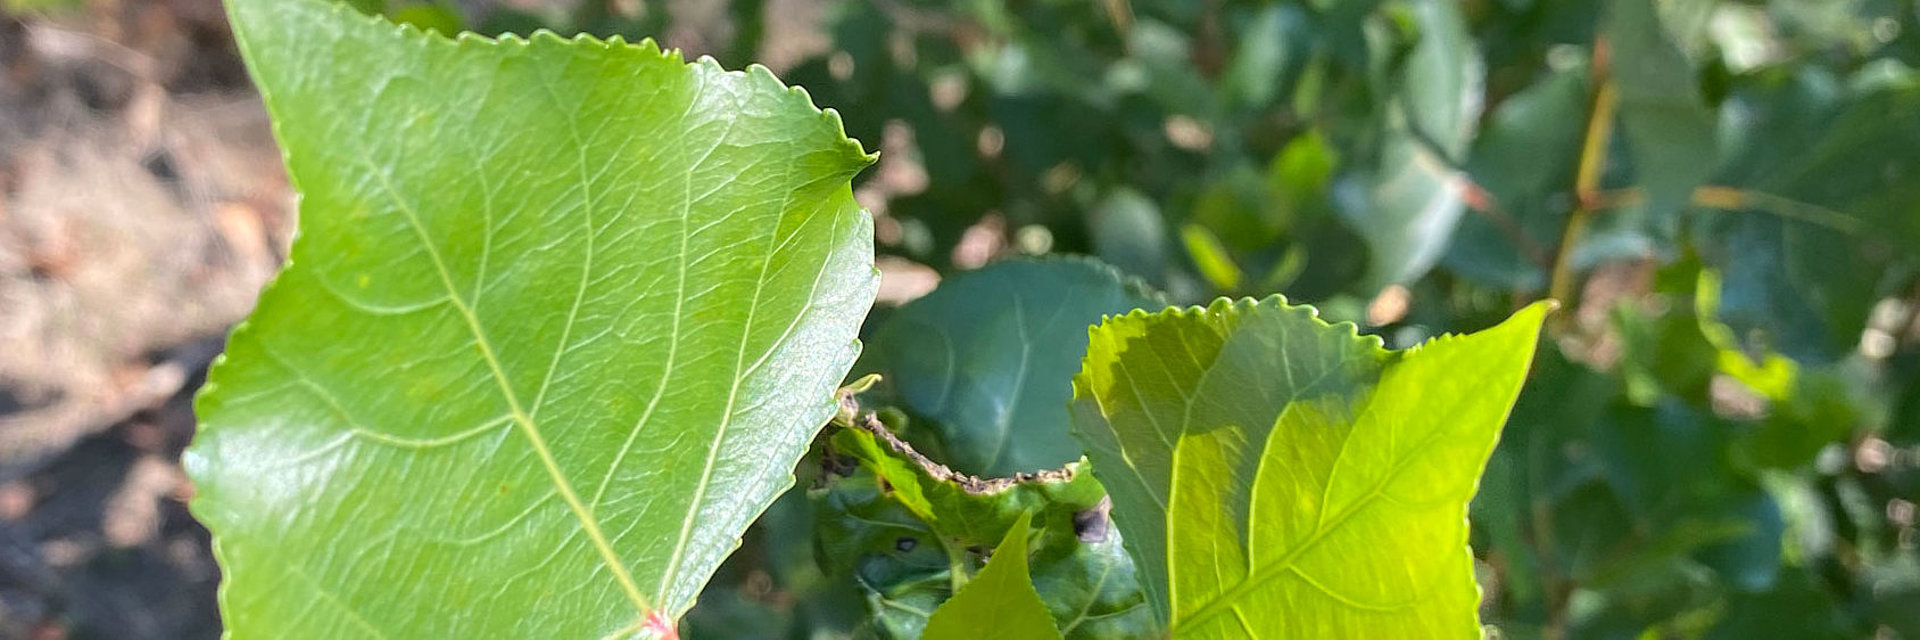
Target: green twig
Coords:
[(1586, 184)]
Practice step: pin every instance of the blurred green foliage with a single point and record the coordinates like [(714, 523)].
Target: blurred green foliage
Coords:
[(33, 6), (1722, 436)]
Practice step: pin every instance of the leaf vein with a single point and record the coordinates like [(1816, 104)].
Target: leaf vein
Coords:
[(527, 426)]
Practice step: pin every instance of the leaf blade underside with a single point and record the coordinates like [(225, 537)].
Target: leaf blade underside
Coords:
[(561, 317), (1263, 516)]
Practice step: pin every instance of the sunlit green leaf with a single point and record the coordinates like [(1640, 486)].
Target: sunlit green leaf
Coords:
[(999, 602), (561, 317), (1327, 497), (969, 510), (1210, 257)]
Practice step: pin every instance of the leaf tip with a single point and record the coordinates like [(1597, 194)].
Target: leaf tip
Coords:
[(1533, 315)]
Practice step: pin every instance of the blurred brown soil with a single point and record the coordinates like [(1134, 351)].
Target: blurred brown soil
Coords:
[(142, 204)]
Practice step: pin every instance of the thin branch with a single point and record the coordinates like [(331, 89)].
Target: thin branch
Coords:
[(1120, 12), (1737, 199), (1586, 181)]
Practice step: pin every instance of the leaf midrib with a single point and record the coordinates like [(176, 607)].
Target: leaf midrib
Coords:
[(521, 419), (1273, 570), (1294, 392)]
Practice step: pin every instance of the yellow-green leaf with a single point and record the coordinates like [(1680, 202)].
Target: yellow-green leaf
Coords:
[(999, 602), (1278, 477)]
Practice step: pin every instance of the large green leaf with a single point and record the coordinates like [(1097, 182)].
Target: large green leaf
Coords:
[(1276, 476), (985, 359), (561, 318), (1000, 602)]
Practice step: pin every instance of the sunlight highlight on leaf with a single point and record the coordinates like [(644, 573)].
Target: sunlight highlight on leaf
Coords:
[(561, 318), (1275, 476)]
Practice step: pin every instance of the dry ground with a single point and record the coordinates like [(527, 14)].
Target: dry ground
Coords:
[(142, 204)]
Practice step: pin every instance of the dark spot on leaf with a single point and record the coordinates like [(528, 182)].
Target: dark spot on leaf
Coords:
[(905, 544), (1091, 525)]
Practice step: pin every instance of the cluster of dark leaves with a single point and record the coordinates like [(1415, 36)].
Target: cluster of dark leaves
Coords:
[(1722, 437)]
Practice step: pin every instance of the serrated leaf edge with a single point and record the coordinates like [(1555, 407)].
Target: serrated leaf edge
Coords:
[(467, 40)]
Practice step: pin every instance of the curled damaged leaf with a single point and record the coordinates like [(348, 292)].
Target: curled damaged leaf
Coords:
[(903, 524), (866, 449), (1275, 476), (560, 319)]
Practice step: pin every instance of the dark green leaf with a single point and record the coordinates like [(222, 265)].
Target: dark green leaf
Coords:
[(1669, 129), (1524, 160), (983, 361), (1130, 233), (1798, 608), (1832, 165)]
